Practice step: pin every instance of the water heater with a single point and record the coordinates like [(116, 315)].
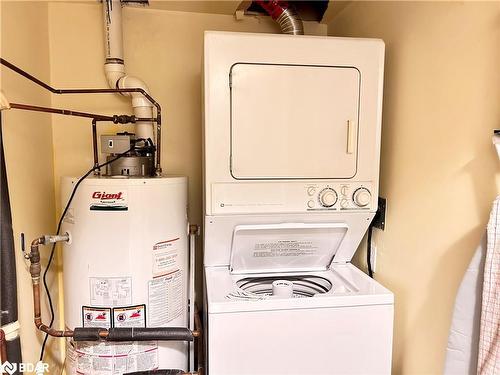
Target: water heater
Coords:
[(126, 265)]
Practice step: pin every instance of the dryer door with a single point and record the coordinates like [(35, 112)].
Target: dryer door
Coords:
[(294, 121)]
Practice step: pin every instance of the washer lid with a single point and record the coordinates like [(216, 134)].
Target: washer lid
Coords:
[(285, 247)]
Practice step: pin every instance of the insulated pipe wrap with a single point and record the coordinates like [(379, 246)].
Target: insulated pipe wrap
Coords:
[(87, 334), (14, 352), (146, 334)]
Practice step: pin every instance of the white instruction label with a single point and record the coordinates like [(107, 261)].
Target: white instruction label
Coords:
[(96, 317), (165, 256), (115, 358), (284, 248), (113, 291), (165, 294), (130, 316)]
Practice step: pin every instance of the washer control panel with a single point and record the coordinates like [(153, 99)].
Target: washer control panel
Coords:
[(293, 197), (342, 196)]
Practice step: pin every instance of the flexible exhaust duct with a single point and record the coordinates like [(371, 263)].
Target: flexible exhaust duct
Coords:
[(285, 14), (114, 68)]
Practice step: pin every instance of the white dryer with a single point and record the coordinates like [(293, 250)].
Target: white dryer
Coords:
[(291, 165)]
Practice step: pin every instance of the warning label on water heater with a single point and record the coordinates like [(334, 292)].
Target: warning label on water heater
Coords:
[(96, 317), (130, 316)]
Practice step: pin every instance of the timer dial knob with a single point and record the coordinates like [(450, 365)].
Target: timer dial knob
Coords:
[(362, 197), (327, 197)]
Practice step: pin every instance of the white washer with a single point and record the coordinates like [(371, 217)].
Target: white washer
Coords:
[(291, 171)]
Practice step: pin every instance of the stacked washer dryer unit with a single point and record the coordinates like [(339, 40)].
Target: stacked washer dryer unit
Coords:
[(292, 144)]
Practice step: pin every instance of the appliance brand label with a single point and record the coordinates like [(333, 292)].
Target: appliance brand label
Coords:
[(96, 317), (109, 201), (130, 316)]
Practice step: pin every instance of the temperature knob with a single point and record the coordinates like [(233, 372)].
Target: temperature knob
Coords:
[(362, 197), (327, 197)]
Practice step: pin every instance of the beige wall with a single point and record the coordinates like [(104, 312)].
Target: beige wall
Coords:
[(28, 148), (438, 166)]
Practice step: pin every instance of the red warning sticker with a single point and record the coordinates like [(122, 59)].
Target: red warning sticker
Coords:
[(96, 317), (129, 316)]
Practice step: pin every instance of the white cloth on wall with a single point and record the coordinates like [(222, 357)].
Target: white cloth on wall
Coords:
[(462, 350), (489, 340)]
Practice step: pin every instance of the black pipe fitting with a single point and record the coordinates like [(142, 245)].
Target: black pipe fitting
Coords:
[(124, 119)]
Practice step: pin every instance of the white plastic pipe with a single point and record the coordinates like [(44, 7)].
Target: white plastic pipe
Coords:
[(114, 67)]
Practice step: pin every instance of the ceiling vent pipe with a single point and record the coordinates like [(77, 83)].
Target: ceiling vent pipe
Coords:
[(114, 68), (285, 14)]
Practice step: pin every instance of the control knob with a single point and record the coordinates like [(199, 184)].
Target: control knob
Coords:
[(327, 197), (362, 197)]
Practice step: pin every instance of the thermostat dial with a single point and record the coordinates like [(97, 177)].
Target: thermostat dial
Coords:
[(328, 197), (362, 197)]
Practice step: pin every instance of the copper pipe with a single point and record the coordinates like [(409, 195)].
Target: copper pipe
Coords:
[(35, 269), (198, 372), (67, 112), (3, 347), (197, 325), (99, 91), (76, 91), (199, 340)]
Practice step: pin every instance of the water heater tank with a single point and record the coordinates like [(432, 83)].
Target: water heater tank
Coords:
[(126, 266)]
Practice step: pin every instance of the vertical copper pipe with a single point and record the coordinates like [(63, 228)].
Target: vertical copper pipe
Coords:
[(35, 269), (37, 312)]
